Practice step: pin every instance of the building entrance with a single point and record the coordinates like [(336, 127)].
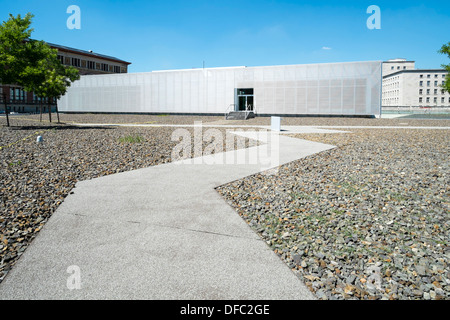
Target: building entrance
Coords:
[(244, 99)]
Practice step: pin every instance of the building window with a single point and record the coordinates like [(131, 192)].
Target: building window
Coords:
[(420, 100), (91, 65), (442, 100), (435, 83), (392, 68), (443, 83), (421, 76), (428, 91), (435, 100), (61, 59), (428, 83), (17, 95), (435, 92), (76, 62), (36, 98), (421, 83), (116, 69), (105, 67), (428, 76), (428, 100), (421, 91)]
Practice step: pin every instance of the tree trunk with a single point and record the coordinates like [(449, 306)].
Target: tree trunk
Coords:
[(6, 109), (49, 105), (40, 110), (57, 113)]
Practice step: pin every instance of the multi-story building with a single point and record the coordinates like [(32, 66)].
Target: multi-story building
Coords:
[(87, 62), (396, 65), (414, 87)]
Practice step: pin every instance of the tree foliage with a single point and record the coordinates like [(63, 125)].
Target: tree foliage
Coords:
[(45, 75), (13, 54), (32, 64), (445, 49), (13, 57)]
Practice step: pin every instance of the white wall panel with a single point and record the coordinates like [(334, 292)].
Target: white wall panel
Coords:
[(338, 88)]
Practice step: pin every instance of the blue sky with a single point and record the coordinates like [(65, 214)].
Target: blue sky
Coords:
[(159, 35)]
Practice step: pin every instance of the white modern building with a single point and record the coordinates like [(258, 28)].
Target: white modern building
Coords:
[(415, 88), (352, 88)]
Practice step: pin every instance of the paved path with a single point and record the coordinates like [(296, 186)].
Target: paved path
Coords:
[(161, 232)]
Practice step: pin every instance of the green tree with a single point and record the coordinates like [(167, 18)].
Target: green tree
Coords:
[(13, 56), (32, 64), (45, 75), (446, 50)]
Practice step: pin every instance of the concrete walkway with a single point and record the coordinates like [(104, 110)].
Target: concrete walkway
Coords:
[(161, 232)]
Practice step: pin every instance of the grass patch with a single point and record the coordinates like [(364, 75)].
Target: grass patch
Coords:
[(395, 196), (13, 164), (131, 139)]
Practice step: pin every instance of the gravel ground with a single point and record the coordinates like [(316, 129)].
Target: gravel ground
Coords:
[(367, 220), (36, 178), (122, 118), (220, 120)]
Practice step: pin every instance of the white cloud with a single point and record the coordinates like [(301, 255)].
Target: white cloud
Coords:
[(326, 48)]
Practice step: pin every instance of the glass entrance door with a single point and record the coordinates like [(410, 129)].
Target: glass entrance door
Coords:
[(244, 99)]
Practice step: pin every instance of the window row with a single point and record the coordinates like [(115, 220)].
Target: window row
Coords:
[(391, 79), (18, 95), (435, 100), (435, 76), (391, 85), (436, 83), (391, 93), (429, 91), (88, 64), (398, 68)]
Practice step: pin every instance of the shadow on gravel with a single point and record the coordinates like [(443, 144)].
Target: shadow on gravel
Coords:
[(61, 127)]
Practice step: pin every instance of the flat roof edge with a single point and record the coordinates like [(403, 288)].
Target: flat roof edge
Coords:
[(244, 67), (415, 71), (398, 61)]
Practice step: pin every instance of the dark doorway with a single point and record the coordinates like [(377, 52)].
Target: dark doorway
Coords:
[(244, 99)]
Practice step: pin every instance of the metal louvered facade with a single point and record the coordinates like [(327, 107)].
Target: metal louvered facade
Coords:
[(352, 88)]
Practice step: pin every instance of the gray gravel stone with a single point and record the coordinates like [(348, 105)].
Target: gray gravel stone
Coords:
[(379, 200)]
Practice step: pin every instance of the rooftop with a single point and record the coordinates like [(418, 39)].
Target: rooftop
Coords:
[(397, 60), (87, 53)]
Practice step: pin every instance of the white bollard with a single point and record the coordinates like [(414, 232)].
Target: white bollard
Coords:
[(276, 123), (39, 139)]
